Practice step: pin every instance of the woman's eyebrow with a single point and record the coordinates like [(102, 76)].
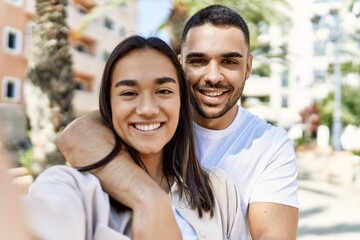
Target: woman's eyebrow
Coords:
[(132, 83), (163, 80), (126, 82)]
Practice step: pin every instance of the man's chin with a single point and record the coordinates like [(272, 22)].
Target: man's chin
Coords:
[(210, 113)]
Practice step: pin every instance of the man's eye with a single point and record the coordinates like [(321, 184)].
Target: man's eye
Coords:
[(197, 61), (229, 61)]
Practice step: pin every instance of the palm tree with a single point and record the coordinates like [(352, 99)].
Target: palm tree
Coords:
[(49, 89)]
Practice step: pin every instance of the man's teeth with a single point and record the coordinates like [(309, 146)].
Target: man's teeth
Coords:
[(147, 127), (212, 94)]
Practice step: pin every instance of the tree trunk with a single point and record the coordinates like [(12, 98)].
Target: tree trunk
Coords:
[(49, 89)]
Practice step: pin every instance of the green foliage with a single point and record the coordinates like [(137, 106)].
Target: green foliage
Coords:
[(350, 106), (262, 70), (346, 68), (299, 141), (25, 157), (356, 152)]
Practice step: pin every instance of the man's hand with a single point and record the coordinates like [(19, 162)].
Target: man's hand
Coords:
[(273, 221), (87, 140)]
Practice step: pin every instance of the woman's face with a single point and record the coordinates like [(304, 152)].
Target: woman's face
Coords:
[(145, 100)]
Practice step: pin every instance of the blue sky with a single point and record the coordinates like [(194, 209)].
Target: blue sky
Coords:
[(151, 14)]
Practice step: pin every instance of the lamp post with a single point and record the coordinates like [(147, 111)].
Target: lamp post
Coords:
[(337, 122)]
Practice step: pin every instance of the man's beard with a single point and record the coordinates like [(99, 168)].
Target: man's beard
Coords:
[(219, 114)]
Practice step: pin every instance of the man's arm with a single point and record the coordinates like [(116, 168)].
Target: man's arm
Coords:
[(273, 211), (85, 141), (272, 221)]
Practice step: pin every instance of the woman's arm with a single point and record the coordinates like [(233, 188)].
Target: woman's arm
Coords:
[(12, 217)]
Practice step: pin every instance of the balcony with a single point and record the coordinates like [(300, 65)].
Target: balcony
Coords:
[(85, 102)]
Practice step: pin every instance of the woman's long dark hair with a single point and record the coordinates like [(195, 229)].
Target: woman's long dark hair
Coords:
[(179, 159)]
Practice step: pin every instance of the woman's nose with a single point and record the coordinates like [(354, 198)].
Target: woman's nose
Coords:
[(147, 106)]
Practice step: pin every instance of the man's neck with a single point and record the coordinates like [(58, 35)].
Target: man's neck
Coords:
[(217, 123)]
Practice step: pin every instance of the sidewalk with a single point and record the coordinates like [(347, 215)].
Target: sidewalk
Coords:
[(329, 199)]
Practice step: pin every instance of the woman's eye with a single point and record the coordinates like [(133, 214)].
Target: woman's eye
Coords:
[(128, 94), (165, 91)]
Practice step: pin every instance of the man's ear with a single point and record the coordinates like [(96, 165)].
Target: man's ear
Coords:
[(248, 66), (179, 58)]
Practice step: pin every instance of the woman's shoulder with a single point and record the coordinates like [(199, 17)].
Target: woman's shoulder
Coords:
[(218, 176), (222, 184), (64, 175)]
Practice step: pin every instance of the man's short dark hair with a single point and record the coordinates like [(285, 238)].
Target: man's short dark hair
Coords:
[(217, 15)]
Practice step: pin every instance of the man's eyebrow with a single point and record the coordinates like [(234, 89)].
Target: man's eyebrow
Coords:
[(229, 54), (232, 54), (195, 54), (126, 82)]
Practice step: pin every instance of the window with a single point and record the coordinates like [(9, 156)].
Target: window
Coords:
[(285, 101), (82, 10), (320, 1), (315, 20), (108, 23), (12, 40), (11, 89), (80, 86), (285, 78), (319, 48), (319, 76), (81, 48), (122, 31), (83, 82), (106, 55)]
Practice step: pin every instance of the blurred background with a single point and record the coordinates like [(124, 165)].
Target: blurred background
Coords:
[(305, 79)]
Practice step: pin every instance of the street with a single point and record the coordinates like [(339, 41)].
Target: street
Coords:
[(329, 204)]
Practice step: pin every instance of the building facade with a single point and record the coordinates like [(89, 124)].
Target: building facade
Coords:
[(90, 49), (305, 77)]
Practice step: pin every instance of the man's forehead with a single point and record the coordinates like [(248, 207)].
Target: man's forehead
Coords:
[(215, 38), (207, 35), (209, 30)]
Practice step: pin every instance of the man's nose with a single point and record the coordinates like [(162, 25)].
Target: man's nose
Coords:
[(147, 106), (213, 73)]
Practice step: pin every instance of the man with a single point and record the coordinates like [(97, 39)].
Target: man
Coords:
[(259, 157)]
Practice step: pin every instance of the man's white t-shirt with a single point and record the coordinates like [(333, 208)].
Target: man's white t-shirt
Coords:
[(259, 158)]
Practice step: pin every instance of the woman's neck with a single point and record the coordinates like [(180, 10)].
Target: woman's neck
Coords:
[(154, 166)]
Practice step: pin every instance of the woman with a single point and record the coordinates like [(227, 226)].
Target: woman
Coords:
[(144, 99)]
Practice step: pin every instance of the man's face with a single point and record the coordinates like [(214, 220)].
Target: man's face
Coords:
[(217, 64)]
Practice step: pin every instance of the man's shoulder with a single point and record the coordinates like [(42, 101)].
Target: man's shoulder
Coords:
[(252, 122)]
